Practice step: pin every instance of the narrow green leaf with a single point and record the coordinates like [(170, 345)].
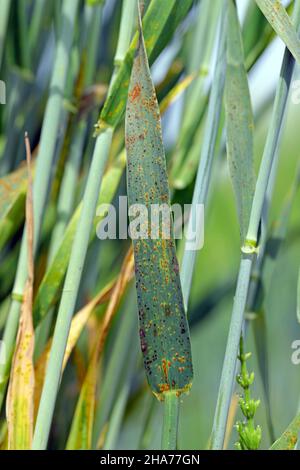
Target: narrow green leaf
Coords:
[(281, 23), (239, 122), (160, 22), (164, 331), (289, 438), (257, 34), (253, 27)]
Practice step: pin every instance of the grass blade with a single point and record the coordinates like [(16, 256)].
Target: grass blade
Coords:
[(147, 184), (281, 23), (21, 386), (288, 440), (239, 122), (257, 34), (164, 331)]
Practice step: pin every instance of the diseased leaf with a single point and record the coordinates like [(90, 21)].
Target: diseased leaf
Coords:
[(280, 21), (21, 385), (289, 438), (239, 122), (160, 22), (164, 331), (81, 431)]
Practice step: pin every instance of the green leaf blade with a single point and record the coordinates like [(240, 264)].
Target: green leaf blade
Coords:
[(289, 438), (239, 122), (280, 21), (164, 331)]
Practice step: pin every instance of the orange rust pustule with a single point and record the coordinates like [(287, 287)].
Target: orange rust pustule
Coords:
[(164, 388), (165, 366), (136, 91)]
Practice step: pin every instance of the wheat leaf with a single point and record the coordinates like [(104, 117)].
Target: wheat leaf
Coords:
[(239, 122), (164, 331), (281, 23), (21, 386), (289, 438)]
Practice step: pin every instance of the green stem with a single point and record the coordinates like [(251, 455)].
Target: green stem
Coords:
[(170, 423), (46, 153), (126, 28), (231, 353)]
